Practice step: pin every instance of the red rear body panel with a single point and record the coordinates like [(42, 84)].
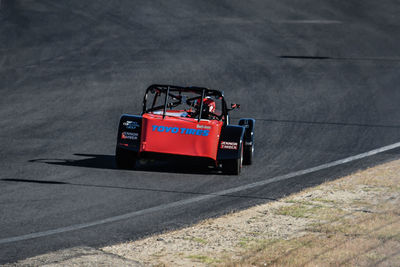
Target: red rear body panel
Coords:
[(180, 136)]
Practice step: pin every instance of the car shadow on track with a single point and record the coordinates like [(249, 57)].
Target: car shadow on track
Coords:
[(146, 165), (148, 189)]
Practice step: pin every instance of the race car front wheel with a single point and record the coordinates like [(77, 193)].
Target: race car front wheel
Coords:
[(248, 154), (125, 159)]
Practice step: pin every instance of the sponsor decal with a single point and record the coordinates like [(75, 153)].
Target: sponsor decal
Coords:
[(178, 130), (129, 136), (199, 126), (132, 125), (229, 145)]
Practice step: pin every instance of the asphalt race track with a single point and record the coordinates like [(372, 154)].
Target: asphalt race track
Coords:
[(321, 78)]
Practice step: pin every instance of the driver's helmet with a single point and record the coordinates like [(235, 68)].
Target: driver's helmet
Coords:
[(208, 104)]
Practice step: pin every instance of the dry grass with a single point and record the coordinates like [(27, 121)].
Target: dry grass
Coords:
[(323, 250)]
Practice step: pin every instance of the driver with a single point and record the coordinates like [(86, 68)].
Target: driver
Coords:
[(208, 108)]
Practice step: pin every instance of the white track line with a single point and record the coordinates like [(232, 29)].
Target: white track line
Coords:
[(133, 214)]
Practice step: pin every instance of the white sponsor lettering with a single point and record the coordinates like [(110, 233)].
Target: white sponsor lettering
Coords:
[(199, 126), (229, 145), (130, 136), (131, 125)]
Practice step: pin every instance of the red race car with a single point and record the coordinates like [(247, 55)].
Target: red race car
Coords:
[(189, 122)]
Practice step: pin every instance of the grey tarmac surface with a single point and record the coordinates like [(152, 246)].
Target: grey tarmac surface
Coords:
[(321, 78)]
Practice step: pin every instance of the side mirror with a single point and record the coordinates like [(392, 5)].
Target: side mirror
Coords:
[(234, 105)]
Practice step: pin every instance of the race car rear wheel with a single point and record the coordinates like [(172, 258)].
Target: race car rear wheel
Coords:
[(125, 159), (233, 166)]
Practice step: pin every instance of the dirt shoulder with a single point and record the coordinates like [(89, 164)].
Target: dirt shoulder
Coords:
[(354, 220)]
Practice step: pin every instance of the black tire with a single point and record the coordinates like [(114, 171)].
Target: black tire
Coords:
[(233, 166), (125, 159), (248, 155)]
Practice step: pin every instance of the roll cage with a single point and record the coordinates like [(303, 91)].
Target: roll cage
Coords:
[(173, 96)]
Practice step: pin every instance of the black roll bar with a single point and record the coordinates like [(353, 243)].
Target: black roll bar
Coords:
[(165, 103), (201, 104)]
